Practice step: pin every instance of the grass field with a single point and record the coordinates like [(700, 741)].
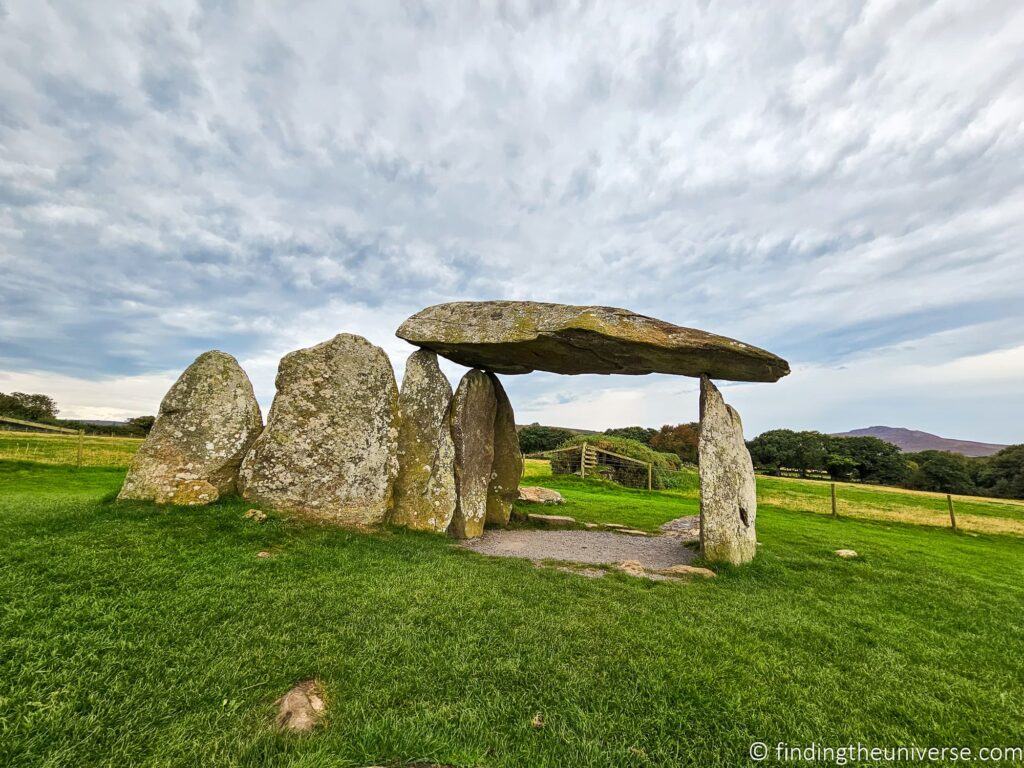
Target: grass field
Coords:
[(51, 448), (589, 501), (138, 635)]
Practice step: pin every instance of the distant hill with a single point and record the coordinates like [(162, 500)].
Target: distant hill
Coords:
[(912, 441)]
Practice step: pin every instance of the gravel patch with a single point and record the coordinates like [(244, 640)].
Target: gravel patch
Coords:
[(596, 547)]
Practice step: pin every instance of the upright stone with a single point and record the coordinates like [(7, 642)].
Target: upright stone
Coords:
[(329, 450), (206, 424), (728, 494), (425, 486), (507, 466), (472, 418)]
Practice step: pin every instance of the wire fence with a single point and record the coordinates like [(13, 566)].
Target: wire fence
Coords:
[(67, 447)]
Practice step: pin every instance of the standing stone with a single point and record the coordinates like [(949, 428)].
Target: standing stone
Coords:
[(425, 486), (329, 451), (206, 424), (472, 418), (728, 494), (507, 467)]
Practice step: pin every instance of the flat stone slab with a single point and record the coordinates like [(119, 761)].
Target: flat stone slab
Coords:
[(523, 336), (685, 528), (653, 553)]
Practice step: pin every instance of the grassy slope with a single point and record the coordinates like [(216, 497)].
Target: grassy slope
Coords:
[(136, 635)]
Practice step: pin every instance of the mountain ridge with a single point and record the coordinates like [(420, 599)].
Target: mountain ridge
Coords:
[(914, 440)]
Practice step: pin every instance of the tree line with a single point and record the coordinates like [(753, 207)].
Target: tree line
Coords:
[(680, 439), (859, 459), (871, 460), (43, 409)]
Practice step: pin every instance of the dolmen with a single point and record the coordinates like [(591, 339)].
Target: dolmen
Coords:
[(344, 445)]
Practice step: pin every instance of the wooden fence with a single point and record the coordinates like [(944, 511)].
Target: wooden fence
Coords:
[(586, 459)]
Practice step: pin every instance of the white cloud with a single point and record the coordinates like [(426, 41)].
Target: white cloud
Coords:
[(109, 399), (825, 179)]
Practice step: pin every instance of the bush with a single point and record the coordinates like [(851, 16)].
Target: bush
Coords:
[(622, 472)]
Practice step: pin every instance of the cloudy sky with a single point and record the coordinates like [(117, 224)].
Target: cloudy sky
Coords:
[(840, 183)]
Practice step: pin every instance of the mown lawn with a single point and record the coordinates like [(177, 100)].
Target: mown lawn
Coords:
[(138, 635)]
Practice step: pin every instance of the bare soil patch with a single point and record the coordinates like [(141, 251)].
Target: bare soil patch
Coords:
[(591, 547)]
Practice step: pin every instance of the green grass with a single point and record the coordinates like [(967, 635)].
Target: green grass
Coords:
[(138, 635), (591, 501), (973, 513), (597, 501), (48, 448)]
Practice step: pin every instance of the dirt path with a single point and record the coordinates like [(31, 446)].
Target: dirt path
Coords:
[(594, 547)]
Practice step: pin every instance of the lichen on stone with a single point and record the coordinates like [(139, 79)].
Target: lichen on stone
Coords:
[(522, 336), (507, 465), (472, 423), (424, 497), (329, 450), (728, 492), (206, 423)]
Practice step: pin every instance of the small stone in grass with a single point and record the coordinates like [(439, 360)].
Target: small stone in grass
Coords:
[(535, 494), (846, 554), (632, 567), (256, 515), (538, 721), (632, 532), (263, 553), (301, 708)]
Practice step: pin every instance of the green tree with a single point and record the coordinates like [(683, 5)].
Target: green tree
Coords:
[(537, 438), (877, 461), (142, 423), (1002, 474), (941, 471), (841, 467), (640, 434), (680, 439), (786, 448), (19, 405)]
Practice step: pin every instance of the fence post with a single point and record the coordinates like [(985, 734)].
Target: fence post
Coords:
[(650, 484), (835, 512), (81, 435), (952, 514), (583, 460)]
